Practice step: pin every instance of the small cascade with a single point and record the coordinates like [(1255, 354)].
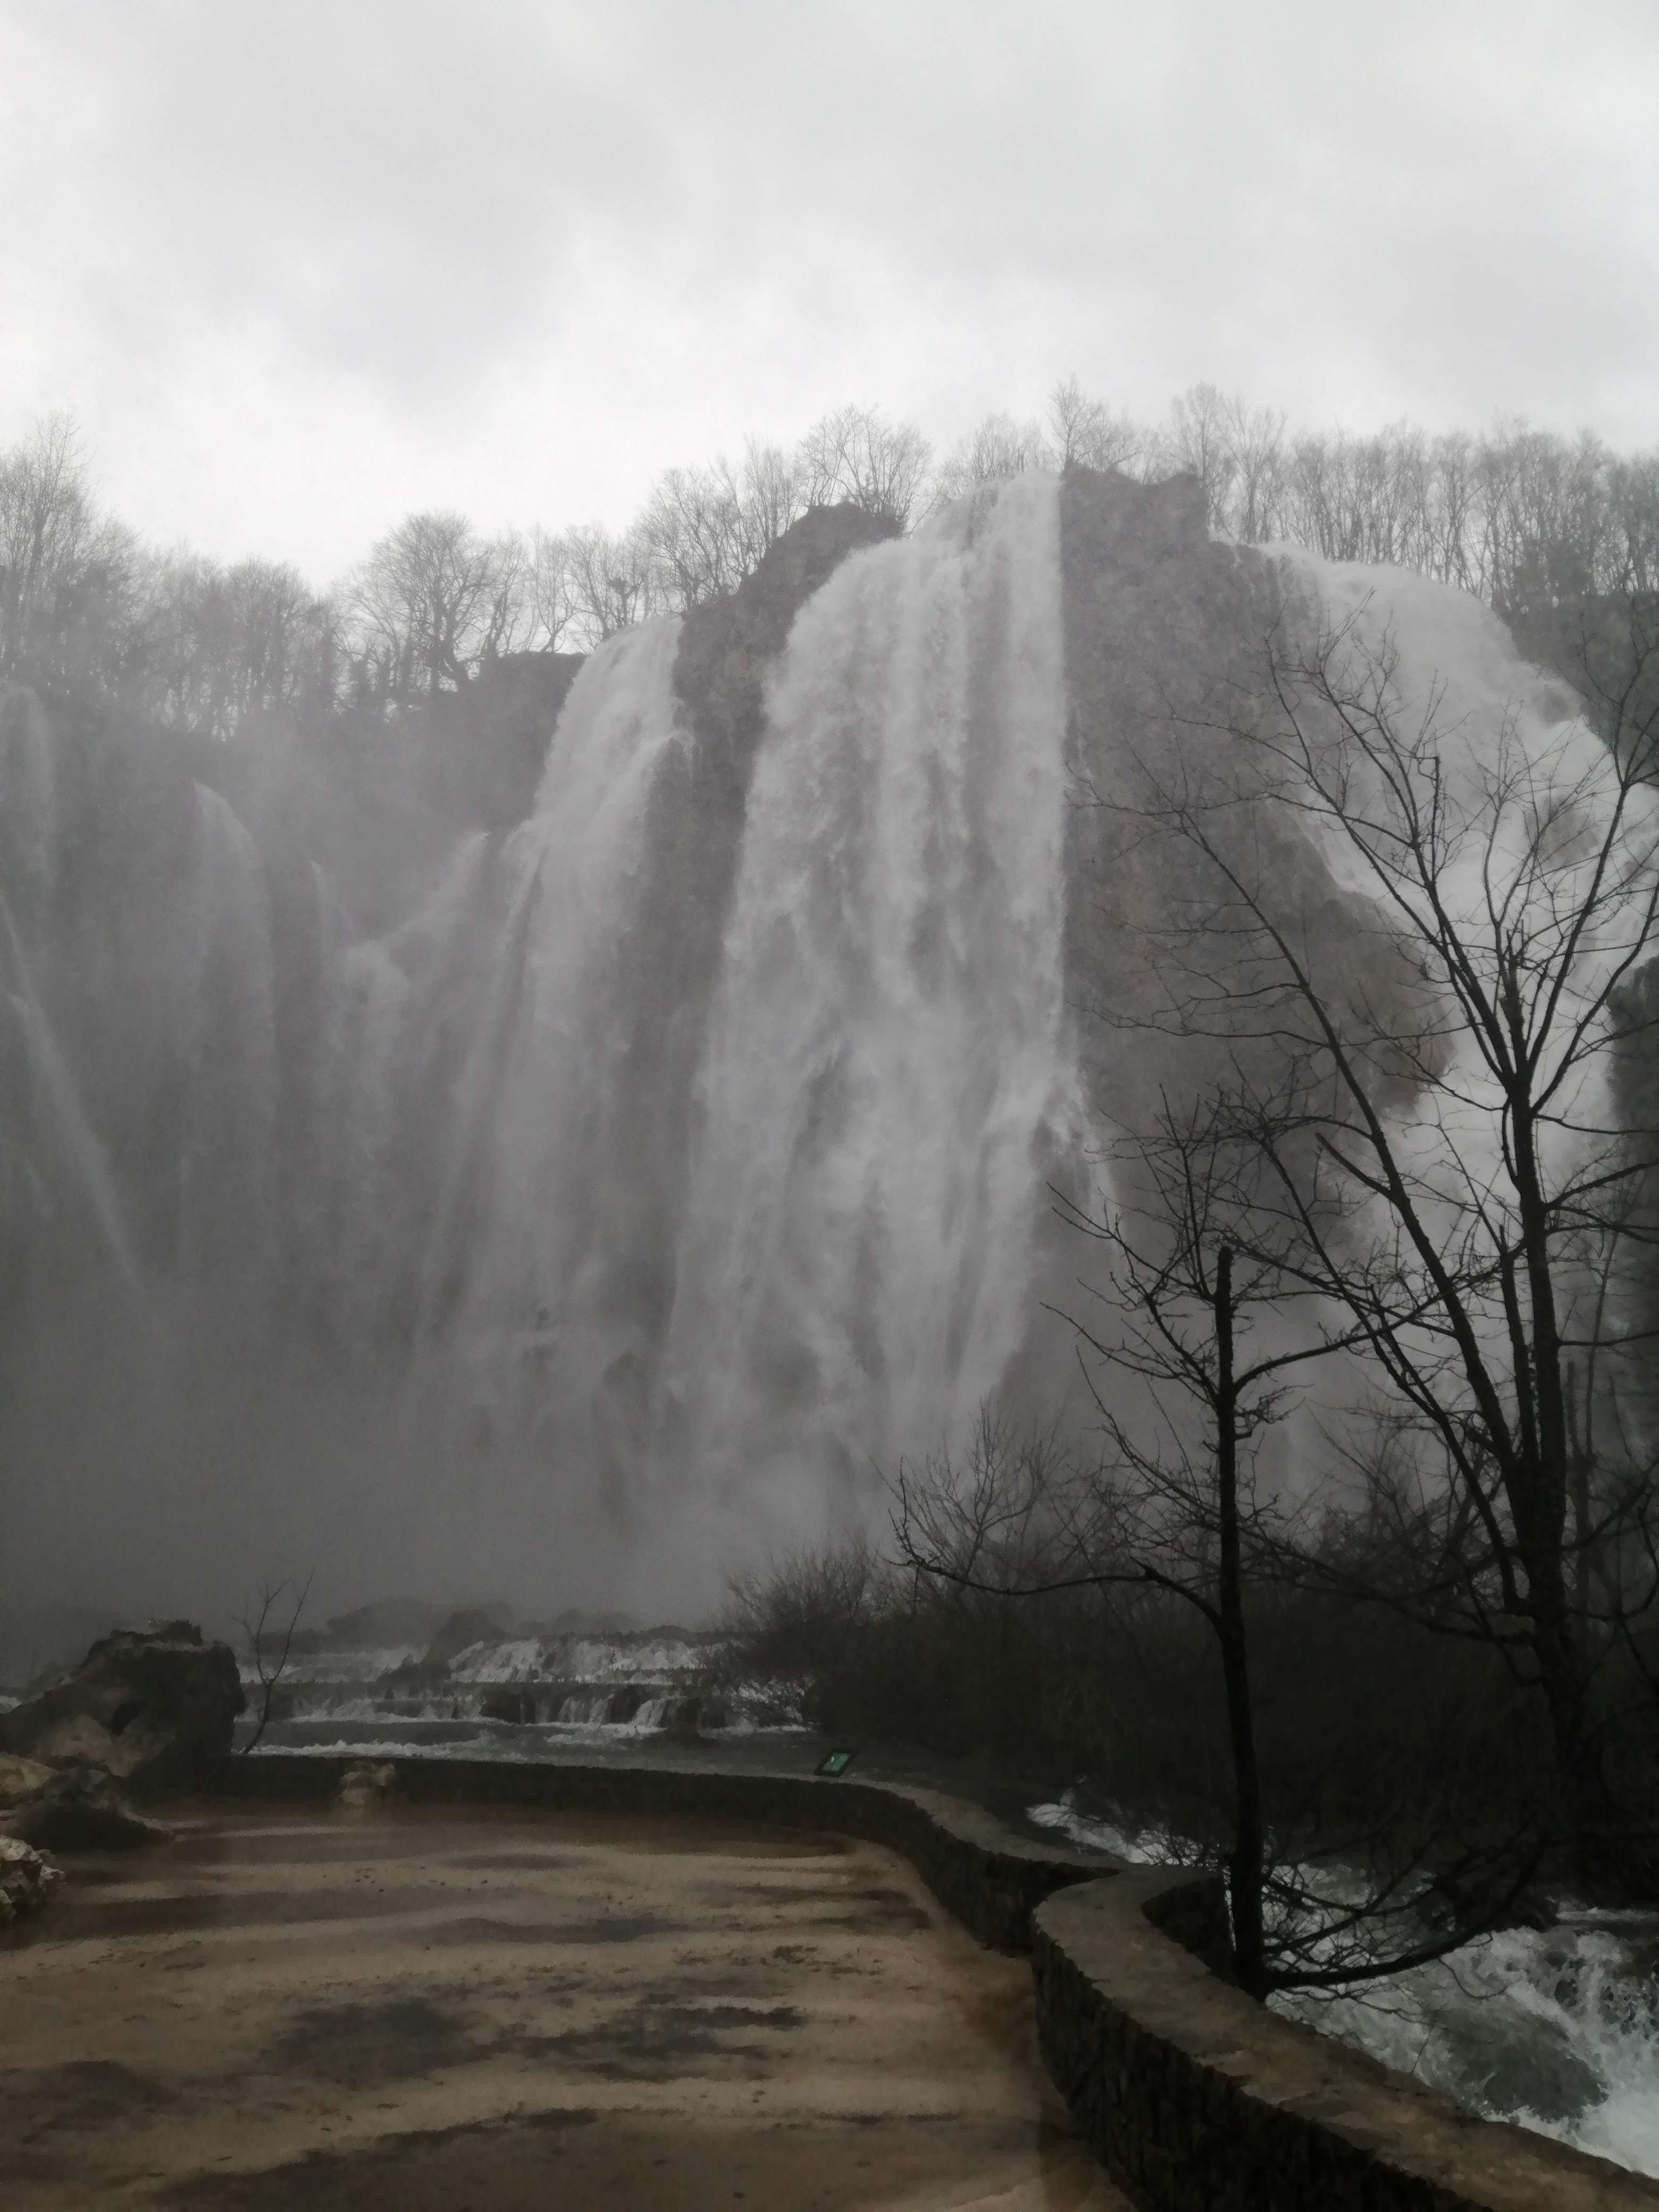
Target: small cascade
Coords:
[(584, 1708)]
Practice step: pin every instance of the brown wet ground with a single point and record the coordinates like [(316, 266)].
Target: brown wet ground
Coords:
[(422, 2010)]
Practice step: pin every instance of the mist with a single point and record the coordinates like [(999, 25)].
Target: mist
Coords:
[(570, 1138)]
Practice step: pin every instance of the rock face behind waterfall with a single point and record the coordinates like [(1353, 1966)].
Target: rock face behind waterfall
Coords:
[(150, 1706)]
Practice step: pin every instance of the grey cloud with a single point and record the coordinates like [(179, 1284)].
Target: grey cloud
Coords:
[(688, 221)]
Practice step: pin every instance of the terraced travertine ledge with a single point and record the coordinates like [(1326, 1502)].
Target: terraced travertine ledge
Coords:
[(1195, 2098)]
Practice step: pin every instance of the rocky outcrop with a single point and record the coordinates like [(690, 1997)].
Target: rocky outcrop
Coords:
[(19, 1778), (26, 1880), (152, 1707), (81, 1808), (366, 1785)]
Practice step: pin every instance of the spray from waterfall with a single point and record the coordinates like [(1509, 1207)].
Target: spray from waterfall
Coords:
[(57, 1110)]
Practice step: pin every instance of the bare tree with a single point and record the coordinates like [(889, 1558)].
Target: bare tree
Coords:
[(64, 570), (692, 526), (1083, 433), (268, 1646), (1198, 443), (1256, 435), (1178, 1508), (1448, 1166), (613, 582), (213, 647), (439, 601), (855, 454), (997, 449)]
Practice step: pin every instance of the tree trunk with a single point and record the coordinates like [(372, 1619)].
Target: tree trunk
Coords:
[(1245, 1863)]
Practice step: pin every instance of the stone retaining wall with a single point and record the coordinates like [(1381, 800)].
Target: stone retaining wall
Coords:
[(1196, 2098)]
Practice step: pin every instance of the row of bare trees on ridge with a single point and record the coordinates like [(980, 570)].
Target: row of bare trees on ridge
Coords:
[(1527, 520)]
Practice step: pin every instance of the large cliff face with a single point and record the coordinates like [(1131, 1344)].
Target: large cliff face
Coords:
[(682, 1156)]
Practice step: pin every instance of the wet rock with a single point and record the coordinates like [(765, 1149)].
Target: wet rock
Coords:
[(151, 1706), (1504, 2074), (81, 1808), (19, 1778), (367, 1783), (26, 1880)]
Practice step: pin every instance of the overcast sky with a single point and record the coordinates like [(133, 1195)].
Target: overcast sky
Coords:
[(298, 268)]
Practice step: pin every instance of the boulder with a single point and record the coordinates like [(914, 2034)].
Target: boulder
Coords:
[(19, 1778), (80, 1809), (26, 1880), (366, 1785), (152, 1706)]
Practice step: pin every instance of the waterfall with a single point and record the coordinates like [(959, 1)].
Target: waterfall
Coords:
[(229, 1045), (685, 1157), (886, 1062), (683, 1258), (541, 1169), (356, 1110)]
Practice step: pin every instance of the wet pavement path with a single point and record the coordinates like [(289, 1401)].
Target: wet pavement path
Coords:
[(422, 2008)]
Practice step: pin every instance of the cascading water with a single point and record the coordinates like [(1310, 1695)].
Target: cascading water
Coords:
[(886, 1063), (724, 1256), (55, 1107), (228, 1046), (532, 1222)]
